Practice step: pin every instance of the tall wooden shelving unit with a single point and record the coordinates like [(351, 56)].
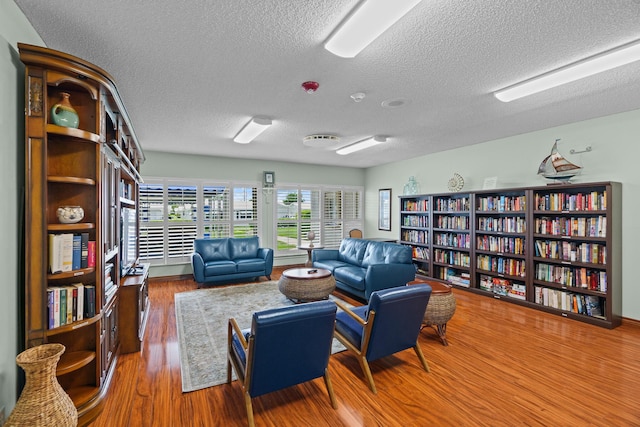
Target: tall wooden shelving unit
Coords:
[(553, 248), (80, 167)]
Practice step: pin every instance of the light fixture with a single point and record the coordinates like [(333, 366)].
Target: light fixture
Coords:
[(365, 24), (252, 129), (608, 60), (361, 145)]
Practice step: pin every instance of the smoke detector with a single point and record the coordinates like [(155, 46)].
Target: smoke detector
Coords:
[(320, 141), (358, 96)]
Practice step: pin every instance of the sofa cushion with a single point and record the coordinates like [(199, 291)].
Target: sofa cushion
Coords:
[(352, 275), (217, 268), (386, 253), (212, 249), (251, 264), (244, 248), (352, 251), (330, 264)]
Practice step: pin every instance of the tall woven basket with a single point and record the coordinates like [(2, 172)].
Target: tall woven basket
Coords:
[(43, 402)]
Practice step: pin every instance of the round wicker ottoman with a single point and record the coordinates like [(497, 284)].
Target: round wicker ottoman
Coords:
[(306, 284), (441, 306)]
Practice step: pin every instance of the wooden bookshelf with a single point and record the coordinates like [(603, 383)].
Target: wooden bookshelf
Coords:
[(66, 166), (555, 248)]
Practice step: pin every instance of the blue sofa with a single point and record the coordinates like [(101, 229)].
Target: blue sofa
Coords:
[(228, 259), (361, 267)]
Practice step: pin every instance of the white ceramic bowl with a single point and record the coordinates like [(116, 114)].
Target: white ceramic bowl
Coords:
[(70, 214)]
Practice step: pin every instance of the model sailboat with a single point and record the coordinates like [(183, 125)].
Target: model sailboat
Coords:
[(556, 167)]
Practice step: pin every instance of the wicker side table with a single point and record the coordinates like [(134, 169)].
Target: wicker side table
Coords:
[(305, 284), (441, 306)]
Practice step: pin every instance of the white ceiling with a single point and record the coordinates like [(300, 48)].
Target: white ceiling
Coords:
[(193, 72)]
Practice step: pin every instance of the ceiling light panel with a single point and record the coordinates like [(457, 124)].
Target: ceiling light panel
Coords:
[(614, 58), (361, 145), (252, 129), (365, 24)]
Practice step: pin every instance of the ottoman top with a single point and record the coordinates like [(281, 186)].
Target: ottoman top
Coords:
[(306, 273), (437, 286)]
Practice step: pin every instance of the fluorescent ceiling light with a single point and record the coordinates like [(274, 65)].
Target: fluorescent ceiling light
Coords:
[(617, 57), (361, 145), (252, 129), (366, 23)]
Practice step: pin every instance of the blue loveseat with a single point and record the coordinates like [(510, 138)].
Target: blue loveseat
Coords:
[(361, 267), (229, 259)]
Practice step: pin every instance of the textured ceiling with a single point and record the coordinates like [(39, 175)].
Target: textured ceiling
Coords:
[(193, 72)]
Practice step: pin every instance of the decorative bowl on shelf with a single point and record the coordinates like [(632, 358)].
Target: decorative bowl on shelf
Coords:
[(70, 214)]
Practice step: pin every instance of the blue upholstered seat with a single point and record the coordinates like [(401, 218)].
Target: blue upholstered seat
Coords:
[(389, 324), (284, 347)]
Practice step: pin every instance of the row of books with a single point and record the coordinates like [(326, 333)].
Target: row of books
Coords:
[(503, 287), (589, 305), (595, 280), (572, 227), (571, 251), (502, 225), (453, 222), (415, 236), (511, 245), (510, 266), (592, 201), (420, 253), (452, 257), (453, 276), (501, 203), (68, 252), (415, 221), (457, 240), (451, 205), (415, 205), (70, 303)]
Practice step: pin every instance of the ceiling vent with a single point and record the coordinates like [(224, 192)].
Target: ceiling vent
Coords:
[(321, 141)]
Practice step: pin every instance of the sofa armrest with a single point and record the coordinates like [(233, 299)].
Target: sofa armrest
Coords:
[(322, 254), (267, 255), (383, 276), (197, 264)]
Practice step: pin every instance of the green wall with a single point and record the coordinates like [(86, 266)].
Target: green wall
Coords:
[(13, 28), (514, 161)]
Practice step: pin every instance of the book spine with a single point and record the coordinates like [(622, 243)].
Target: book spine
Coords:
[(91, 254), (84, 250), (67, 252), (75, 259)]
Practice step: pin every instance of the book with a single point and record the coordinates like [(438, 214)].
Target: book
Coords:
[(76, 254), (67, 252), (80, 301), (91, 253), (70, 303), (62, 313), (84, 250), (89, 301), (51, 307), (55, 253)]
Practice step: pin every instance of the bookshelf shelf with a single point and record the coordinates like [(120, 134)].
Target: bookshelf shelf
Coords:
[(68, 166), (553, 248), (74, 360)]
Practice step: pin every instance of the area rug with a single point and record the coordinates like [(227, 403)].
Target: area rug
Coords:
[(201, 320)]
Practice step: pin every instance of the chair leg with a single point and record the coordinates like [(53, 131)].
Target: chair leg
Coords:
[(418, 351), (327, 382), (228, 371), (249, 406), (367, 373)]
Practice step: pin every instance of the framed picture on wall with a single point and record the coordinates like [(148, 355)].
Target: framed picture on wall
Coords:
[(269, 179), (384, 209)]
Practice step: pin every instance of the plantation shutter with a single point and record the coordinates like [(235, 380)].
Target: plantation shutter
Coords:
[(332, 219), (245, 211), (151, 214), (352, 210), (181, 217), (216, 211)]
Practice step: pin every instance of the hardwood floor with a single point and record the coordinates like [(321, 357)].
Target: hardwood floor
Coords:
[(505, 365)]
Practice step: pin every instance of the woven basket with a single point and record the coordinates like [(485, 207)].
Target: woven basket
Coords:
[(440, 309), (43, 402), (307, 289)]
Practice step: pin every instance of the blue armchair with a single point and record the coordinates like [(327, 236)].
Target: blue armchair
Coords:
[(284, 347), (389, 324)]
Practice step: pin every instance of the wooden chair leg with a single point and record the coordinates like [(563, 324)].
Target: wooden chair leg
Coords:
[(249, 406), (367, 372), (418, 351), (327, 383), (228, 371)]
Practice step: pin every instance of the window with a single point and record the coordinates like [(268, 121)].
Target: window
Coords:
[(173, 213), (328, 212)]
